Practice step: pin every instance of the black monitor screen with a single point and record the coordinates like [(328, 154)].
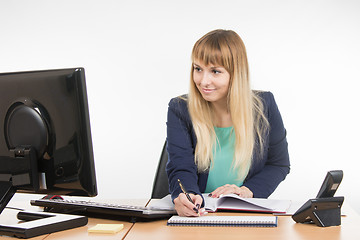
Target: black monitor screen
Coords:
[(45, 137)]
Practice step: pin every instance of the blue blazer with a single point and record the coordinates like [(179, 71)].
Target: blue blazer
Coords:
[(265, 173)]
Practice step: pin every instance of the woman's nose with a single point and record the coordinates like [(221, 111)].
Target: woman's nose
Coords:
[(206, 79)]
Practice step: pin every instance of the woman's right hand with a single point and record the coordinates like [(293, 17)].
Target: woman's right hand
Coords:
[(185, 208)]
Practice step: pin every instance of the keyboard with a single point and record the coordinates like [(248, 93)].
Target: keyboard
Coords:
[(102, 210)]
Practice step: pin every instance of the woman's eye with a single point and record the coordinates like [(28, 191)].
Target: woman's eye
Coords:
[(197, 69), (216, 71)]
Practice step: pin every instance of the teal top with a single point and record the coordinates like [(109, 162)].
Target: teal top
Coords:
[(221, 170)]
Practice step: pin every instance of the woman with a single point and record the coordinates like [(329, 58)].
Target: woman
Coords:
[(223, 137)]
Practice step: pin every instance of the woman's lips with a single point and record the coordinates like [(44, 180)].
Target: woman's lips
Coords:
[(208, 90)]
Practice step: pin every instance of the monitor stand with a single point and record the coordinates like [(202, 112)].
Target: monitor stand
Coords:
[(35, 223)]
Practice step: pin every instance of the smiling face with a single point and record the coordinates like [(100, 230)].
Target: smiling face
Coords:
[(212, 81)]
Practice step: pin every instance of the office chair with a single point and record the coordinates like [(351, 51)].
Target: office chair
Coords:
[(161, 184)]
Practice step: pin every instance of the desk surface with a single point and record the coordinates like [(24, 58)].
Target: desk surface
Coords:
[(287, 228), (8, 216)]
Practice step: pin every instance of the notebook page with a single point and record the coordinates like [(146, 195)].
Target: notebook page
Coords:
[(233, 201)]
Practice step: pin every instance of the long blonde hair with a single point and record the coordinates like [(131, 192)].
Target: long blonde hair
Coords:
[(225, 48)]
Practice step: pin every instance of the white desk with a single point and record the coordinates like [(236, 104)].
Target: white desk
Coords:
[(23, 201), (287, 228)]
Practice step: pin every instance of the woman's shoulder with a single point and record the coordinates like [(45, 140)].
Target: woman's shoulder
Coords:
[(270, 107), (266, 96), (179, 101), (179, 106)]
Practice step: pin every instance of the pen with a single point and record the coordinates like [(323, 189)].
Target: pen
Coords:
[(187, 195)]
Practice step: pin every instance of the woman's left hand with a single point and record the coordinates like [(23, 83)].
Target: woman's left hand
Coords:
[(232, 188)]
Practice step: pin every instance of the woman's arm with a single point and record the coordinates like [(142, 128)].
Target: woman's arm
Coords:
[(181, 165), (265, 178), (180, 147)]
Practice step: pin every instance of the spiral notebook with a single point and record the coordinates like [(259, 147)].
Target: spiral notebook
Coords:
[(230, 221)]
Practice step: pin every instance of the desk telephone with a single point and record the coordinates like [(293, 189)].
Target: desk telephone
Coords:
[(325, 209)]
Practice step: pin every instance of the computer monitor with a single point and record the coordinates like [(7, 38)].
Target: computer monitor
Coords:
[(45, 137)]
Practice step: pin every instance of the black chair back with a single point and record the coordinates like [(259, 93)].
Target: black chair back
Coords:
[(161, 184)]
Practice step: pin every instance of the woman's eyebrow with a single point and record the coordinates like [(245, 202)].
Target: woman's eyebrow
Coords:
[(213, 67)]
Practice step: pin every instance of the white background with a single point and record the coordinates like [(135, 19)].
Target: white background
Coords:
[(136, 56)]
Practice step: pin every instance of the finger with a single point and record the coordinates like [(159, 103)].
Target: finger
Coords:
[(235, 189), (189, 212), (185, 201), (216, 193), (246, 192), (226, 189), (202, 212), (197, 199), (185, 212), (182, 209), (242, 194)]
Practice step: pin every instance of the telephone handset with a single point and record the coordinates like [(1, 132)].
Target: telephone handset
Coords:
[(330, 184)]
